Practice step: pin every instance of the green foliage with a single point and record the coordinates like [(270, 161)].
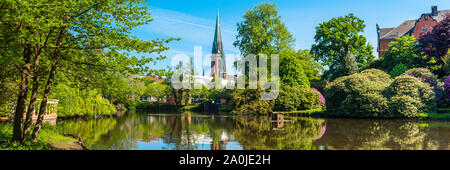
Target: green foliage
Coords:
[(297, 98), (158, 91), (398, 70), (335, 38), (291, 71), (248, 101), (403, 50), (446, 60), (419, 94), (48, 136), (76, 102), (358, 95), (7, 93), (262, 32), (350, 65), (404, 105), (372, 93), (217, 94), (422, 72), (310, 65)]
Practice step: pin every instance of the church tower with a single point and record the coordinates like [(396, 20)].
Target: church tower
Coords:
[(218, 67)]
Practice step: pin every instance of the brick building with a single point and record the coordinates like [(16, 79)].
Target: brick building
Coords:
[(416, 27)]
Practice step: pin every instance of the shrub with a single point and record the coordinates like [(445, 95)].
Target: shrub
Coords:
[(423, 74), (372, 93), (398, 70), (410, 86), (322, 99), (292, 73), (447, 87), (365, 105), (76, 102), (354, 95), (426, 76), (404, 106), (245, 101), (297, 98)]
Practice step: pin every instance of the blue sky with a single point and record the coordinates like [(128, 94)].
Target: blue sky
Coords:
[(194, 20)]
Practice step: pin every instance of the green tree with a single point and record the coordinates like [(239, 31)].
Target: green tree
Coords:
[(87, 34), (158, 91), (398, 70), (262, 32), (291, 70), (350, 65), (335, 38), (403, 50), (310, 65)]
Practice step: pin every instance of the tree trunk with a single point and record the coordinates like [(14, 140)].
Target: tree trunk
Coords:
[(22, 98), (32, 104), (48, 86), (34, 92)]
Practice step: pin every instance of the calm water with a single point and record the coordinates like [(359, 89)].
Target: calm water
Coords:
[(144, 131)]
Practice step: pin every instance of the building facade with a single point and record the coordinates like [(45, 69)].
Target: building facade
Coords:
[(417, 28)]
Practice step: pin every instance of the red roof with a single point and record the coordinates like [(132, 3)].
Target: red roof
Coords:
[(155, 79)]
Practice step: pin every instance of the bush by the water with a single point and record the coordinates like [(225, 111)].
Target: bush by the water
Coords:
[(248, 101), (409, 96), (297, 98), (423, 74), (426, 76), (76, 102), (372, 93), (358, 95), (447, 88)]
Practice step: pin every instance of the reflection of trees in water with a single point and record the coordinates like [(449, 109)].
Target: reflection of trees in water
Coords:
[(381, 134), (186, 134), (188, 131), (89, 130), (254, 133), (177, 131)]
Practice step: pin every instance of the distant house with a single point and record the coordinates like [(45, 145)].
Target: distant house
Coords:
[(417, 27)]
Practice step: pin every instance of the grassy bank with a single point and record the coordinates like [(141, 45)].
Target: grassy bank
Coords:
[(199, 108), (48, 139), (443, 114), (306, 112)]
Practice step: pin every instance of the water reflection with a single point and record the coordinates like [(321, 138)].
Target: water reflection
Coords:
[(209, 132)]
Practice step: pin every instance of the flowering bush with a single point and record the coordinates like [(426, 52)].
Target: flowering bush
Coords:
[(322, 99), (426, 76), (447, 87)]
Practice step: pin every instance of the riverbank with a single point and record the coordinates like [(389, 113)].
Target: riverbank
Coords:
[(443, 114), (48, 139)]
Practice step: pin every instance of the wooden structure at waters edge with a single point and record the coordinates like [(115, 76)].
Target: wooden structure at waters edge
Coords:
[(50, 114), (278, 120)]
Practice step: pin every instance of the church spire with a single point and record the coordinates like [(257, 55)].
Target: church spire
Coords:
[(217, 44), (218, 58)]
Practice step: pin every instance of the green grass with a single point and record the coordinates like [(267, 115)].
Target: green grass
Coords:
[(434, 116), (444, 110), (192, 108), (307, 112), (443, 114), (47, 138)]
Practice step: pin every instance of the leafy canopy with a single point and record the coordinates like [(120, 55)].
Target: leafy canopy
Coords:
[(335, 38)]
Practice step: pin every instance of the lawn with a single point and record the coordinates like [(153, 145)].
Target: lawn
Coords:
[(48, 139)]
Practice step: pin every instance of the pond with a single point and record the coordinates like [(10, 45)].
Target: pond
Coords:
[(150, 131)]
